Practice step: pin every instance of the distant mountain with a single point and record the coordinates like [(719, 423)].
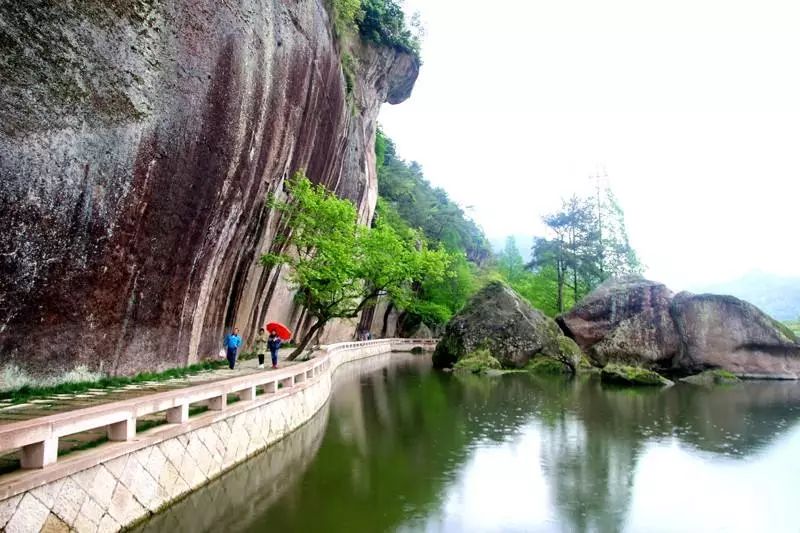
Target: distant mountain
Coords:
[(777, 296)]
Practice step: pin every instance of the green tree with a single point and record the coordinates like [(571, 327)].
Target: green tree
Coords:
[(588, 243), (339, 267), (618, 256), (510, 261), (572, 251)]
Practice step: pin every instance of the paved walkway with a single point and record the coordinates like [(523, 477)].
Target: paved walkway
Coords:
[(59, 403)]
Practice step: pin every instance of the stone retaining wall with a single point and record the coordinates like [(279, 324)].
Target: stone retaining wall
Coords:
[(119, 488)]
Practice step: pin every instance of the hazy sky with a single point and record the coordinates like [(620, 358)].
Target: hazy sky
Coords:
[(692, 107)]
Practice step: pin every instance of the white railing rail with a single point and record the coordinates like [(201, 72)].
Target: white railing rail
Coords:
[(38, 437)]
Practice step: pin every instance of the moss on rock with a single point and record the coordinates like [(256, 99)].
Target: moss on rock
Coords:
[(712, 377), (478, 362), (632, 376), (585, 365), (547, 366)]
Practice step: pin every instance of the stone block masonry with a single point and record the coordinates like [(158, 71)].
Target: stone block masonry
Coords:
[(120, 483)]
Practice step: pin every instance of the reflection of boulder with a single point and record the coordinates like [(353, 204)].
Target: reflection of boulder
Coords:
[(592, 436), (640, 322), (498, 319), (728, 333)]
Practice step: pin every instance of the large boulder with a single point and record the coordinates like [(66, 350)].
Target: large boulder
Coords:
[(626, 321), (499, 320), (726, 333), (633, 321)]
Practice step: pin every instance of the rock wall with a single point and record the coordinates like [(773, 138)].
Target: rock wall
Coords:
[(138, 141)]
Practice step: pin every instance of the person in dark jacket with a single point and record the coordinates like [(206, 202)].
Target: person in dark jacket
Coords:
[(231, 345), (274, 344)]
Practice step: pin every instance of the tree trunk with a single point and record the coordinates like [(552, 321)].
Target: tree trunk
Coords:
[(560, 279), (574, 286), (306, 339), (385, 326)]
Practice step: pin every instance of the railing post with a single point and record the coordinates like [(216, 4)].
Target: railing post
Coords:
[(248, 394), (271, 387), (122, 431), (218, 403), (40, 454), (178, 415)]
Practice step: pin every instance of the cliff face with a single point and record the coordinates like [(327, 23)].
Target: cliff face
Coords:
[(139, 139)]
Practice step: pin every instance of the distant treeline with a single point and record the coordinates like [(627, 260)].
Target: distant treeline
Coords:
[(587, 243)]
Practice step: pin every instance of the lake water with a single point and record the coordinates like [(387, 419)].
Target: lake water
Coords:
[(401, 447)]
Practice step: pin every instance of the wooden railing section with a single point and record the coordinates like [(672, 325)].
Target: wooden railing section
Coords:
[(38, 437)]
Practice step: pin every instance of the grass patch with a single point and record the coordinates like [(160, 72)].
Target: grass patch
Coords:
[(88, 445), (197, 410), (149, 423), (29, 392), (232, 398)]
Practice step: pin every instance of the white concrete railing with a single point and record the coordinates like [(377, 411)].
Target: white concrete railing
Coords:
[(38, 437)]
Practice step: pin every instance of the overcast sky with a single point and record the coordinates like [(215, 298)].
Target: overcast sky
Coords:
[(691, 106)]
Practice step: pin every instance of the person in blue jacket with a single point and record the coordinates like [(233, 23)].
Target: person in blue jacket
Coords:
[(274, 344), (232, 343)]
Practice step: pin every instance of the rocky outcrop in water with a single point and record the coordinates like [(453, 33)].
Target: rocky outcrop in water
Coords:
[(730, 334), (626, 320), (138, 141), (498, 320), (640, 322)]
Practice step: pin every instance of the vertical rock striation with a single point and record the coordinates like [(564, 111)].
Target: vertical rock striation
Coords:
[(138, 142)]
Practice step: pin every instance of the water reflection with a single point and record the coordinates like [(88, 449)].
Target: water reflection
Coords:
[(410, 449)]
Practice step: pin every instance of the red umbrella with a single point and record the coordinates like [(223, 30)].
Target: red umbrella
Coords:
[(282, 331)]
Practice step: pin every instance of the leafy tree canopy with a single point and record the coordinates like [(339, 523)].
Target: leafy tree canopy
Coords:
[(338, 266), (379, 21)]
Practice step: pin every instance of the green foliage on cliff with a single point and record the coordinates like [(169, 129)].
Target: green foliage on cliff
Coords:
[(407, 200), (383, 22), (339, 266), (379, 21), (403, 185)]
